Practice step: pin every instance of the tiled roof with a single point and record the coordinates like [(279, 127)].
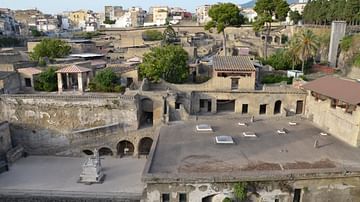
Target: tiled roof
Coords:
[(73, 69), (345, 90), (29, 71), (233, 63)]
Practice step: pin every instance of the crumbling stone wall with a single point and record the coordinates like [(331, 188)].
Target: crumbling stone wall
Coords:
[(50, 124), (5, 139)]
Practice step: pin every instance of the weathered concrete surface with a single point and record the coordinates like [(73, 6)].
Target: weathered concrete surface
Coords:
[(56, 177)]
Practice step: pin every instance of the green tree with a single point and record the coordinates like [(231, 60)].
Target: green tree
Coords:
[(46, 81), (169, 35), (291, 51), (280, 60), (168, 62), (307, 44), (50, 48), (152, 35), (267, 10), (295, 16), (224, 15), (105, 81)]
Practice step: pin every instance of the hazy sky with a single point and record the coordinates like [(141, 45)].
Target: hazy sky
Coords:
[(57, 6)]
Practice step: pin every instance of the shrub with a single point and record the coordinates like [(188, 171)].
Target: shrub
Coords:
[(227, 199), (46, 81), (357, 60), (152, 35), (270, 79), (105, 81), (240, 191), (346, 43)]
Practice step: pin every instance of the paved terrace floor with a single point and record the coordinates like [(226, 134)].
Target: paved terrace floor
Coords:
[(183, 152), (59, 175)]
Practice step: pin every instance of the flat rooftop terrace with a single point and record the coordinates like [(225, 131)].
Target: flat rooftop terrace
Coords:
[(182, 153), (57, 177)]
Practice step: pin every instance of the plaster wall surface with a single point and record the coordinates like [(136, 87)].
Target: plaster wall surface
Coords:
[(336, 121)]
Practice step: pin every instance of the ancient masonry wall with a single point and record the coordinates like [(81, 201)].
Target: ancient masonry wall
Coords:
[(65, 125), (319, 190)]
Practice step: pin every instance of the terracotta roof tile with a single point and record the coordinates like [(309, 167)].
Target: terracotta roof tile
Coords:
[(73, 69), (233, 63), (345, 90)]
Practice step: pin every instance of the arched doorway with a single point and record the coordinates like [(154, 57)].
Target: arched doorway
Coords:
[(125, 148), (146, 118), (104, 151), (88, 152), (208, 198), (145, 146), (277, 107)]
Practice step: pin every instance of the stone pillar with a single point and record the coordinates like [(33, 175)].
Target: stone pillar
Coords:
[(338, 29), (68, 81), (213, 106), (87, 79), (60, 84), (80, 82)]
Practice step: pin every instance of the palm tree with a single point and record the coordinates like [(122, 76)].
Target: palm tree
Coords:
[(292, 52), (306, 45)]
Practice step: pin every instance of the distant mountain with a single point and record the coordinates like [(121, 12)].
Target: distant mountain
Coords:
[(251, 3)]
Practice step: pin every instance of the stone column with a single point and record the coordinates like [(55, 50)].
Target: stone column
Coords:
[(60, 84), (68, 81), (80, 82), (87, 79)]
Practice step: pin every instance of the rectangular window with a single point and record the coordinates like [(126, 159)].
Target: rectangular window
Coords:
[(165, 197), (262, 109), (177, 105), (27, 82), (333, 103), (244, 109), (202, 103), (182, 197), (234, 84)]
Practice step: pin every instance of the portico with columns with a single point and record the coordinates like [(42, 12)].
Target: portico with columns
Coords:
[(73, 77)]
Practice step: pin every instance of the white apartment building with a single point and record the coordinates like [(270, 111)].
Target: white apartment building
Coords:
[(202, 14), (160, 14)]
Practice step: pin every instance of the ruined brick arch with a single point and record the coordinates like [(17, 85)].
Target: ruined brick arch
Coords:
[(88, 152), (145, 144), (125, 148), (105, 151), (147, 109)]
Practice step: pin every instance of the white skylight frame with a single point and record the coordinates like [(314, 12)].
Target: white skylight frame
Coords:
[(204, 128), (224, 139)]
